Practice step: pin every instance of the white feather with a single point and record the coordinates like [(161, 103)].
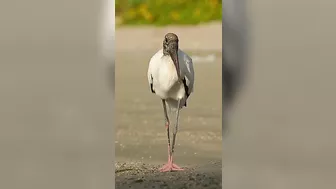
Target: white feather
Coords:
[(162, 75)]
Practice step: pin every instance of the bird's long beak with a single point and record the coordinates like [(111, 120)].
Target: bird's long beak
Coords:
[(174, 56)]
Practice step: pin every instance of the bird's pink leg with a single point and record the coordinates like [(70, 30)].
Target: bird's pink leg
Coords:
[(170, 166), (166, 166)]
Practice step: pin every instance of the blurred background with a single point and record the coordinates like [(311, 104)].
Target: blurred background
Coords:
[(140, 131), (56, 126), (281, 131), (167, 12)]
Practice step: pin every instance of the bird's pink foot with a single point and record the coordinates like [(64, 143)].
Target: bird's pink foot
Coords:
[(170, 166)]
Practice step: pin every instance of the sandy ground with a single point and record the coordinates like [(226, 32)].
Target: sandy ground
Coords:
[(141, 135), (141, 175)]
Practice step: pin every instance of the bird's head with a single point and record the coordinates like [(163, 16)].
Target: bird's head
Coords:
[(170, 47)]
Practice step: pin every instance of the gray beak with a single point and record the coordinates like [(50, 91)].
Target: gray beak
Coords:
[(174, 57)]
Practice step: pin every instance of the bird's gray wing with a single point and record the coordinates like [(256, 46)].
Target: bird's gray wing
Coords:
[(189, 74)]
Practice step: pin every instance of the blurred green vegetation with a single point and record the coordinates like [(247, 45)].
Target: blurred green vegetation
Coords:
[(166, 12)]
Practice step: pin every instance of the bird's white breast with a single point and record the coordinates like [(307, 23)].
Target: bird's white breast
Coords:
[(167, 73), (162, 75), (165, 80)]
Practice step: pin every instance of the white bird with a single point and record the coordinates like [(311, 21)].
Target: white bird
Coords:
[(171, 77)]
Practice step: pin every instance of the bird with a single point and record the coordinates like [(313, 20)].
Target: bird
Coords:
[(171, 77)]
